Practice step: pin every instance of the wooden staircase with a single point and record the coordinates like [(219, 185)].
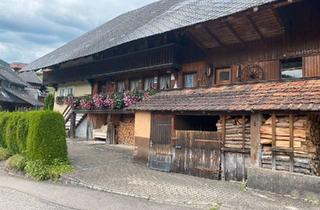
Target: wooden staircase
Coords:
[(67, 115)]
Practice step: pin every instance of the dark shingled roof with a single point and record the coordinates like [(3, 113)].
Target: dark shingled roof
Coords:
[(156, 18), (302, 95), (7, 73), (13, 95), (30, 77)]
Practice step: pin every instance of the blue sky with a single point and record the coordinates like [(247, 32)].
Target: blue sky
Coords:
[(30, 29)]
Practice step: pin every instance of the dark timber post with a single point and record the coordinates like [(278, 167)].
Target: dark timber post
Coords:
[(110, 130), (72, 132)]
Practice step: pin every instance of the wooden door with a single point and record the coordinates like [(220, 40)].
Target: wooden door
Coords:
[(160, 153), (198, 153)]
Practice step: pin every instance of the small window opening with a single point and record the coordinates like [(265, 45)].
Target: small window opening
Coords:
[(196, 123), (291, 68)]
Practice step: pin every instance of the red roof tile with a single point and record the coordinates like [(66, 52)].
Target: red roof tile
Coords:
[(303, 95)]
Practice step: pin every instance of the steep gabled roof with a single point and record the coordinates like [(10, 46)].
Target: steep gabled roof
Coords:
[(156, 18), (301, 95), (6, 73), (30, 77)]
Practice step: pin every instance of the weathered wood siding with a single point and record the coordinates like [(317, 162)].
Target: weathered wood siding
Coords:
[(311, 66), (198, 153)]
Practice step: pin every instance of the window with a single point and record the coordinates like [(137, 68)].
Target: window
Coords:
[(291, 68), (121, 86), (196, 123), (165, 82), (148, 83), (134, 85), (223, 76), (189, 80), (61, 92), (69, 92)]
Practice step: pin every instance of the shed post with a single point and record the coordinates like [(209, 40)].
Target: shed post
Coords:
[(72, 131)]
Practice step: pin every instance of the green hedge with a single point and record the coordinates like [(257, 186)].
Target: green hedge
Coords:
[(47, 137), (4, 117), (49, 102), (40, 135)]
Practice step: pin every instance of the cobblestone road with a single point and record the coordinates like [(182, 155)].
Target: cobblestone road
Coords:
[(111, 168)]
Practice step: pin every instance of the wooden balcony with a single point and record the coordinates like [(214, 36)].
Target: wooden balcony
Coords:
[(163, 57)]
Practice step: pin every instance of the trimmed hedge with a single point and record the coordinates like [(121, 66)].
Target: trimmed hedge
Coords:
[(49, 102), (39, 135), (46, 137), (4, 117)]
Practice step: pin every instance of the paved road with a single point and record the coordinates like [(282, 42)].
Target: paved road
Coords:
[(111, 168), (18, 193)]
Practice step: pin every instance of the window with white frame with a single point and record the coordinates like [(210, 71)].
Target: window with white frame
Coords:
[(121, 86), (149, 83), (165, 82), (70, 91), (190, 80), (61, 92), (134, 84)]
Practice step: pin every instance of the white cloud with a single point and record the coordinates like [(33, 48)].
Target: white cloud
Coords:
[(30, 29)]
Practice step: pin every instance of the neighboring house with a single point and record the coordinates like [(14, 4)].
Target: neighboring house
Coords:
[(238, 80), (36, 88), (13, 91), (17, 66)]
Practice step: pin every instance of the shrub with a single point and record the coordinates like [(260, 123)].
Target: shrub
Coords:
[(16, 162), (46, 137), (4, 154), (41, 171), (10, 136), (37, 169), (49, 102), (59, 168), (4, 117), (22, 133)]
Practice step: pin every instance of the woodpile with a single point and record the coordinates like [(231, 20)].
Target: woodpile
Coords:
[(234, 136), (125, 131), (298, 155)]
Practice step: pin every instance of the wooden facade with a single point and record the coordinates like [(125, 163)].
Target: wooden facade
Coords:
[(275, 42)]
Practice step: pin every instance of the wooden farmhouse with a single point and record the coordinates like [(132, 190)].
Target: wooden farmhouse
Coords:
[(15, 92), (207, 88)]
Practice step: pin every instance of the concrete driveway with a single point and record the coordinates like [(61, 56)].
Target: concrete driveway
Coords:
[(112, 169)]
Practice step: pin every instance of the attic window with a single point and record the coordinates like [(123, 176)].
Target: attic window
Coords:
[(291, 68)]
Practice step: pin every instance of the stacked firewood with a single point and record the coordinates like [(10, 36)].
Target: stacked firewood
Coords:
[(302, 150), (234, 135), (125, 132)]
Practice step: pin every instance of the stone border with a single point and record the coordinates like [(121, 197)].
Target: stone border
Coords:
[(285, 183)]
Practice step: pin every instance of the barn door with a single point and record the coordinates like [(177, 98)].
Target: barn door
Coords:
[(198, 153), (160, 153)]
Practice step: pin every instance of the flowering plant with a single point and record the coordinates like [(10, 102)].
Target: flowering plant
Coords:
[(108, 102), (86, 103), (131, 98), (116, 101), (98, 101)]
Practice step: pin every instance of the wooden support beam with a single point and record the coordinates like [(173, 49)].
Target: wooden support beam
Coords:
[(72, 131), (230, 27), (256, 28), (223, 163), (291, 128), (273, 140), (196, 41), (243, 146), (213, 36)]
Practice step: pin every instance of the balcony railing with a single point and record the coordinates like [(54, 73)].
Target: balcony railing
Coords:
[(159, 57)]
